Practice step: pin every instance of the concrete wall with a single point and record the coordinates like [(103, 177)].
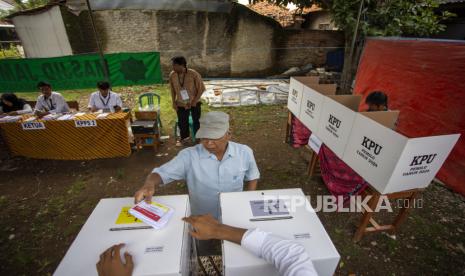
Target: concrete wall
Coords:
[(43, 34), (240, 43), (307, 46), (315, 19)]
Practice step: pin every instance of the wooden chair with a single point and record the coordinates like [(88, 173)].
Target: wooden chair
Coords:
[(148, 100), (145, 130)]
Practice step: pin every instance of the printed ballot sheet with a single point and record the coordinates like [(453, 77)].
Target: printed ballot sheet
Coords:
[(154, 214)]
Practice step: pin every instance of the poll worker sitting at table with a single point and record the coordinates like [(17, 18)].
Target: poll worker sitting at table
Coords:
[(50, 102), (289, 257), (10, 104), (104, 99), (214, 166), (341, 179)]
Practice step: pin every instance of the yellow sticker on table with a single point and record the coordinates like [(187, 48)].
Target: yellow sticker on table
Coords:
[(125, 217)]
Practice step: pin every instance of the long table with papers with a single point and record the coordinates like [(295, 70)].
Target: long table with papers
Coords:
[(67, 137)]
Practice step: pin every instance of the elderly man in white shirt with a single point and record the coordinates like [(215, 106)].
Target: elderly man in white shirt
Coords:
[(104, 99), (49, 102), (214, 166), (289, 257)]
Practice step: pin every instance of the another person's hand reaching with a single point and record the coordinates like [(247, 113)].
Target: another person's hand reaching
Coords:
[(110, 263)]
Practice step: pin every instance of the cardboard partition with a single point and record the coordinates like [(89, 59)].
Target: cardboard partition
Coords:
[(420, 161), (295, 96), (386, 118), (312, 105), (307, 80), (296, 87), (383, 157), (373, 151), (303, 226), (336, 120)]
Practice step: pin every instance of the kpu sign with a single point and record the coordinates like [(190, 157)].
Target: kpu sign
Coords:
[(337, 117)]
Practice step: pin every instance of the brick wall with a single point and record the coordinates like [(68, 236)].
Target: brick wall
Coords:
[(307, 46), (241, 43)]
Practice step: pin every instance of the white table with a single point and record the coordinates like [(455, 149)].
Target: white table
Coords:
[(155, 252), (305, 228)]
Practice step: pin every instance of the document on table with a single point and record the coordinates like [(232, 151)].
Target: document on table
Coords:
[(79, 114), (10, 119), (155, 214), (272, 207), (30, 119), (103, 115), (66, 117), (50, 117)]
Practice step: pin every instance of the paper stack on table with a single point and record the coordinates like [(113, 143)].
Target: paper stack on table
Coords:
[(155, 214), (50, 117), (103, 115), (30, 119), (66, 117), (10, 119)]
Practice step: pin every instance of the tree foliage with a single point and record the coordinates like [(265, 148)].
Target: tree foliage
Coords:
[(20, 5), (11, 52), (381, 17)]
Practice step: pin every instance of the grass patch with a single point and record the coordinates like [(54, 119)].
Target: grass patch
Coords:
[(120, 173)]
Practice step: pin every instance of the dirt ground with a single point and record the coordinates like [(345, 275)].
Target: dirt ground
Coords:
[(45, 203)]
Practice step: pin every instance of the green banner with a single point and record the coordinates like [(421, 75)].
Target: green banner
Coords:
[(79, 71)]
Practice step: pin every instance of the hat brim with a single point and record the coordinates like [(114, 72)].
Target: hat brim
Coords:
[(210, 133)]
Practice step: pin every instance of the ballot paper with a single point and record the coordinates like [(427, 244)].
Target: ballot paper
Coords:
[(10, 119), (103, 115), (66, 117), (155, 214), (50, 117), (30, 119)]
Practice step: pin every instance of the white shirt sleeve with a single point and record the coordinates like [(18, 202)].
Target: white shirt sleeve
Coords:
[(252, 172), (60, 104), (174, 170), (118, 100), (26, 109), (39, 104), (91, 100), (290, 258)]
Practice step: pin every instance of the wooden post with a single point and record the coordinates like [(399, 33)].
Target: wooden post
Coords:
[(287, 139), (372, 203)]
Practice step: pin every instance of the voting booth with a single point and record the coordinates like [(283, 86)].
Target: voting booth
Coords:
[(337, 117), (391, 162), (296, 221), (167, 251), (367, 141)]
